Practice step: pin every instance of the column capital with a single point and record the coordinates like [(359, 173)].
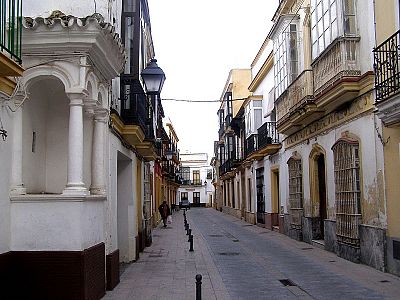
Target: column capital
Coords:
[(89, 105), (76, 95), (101, 115)]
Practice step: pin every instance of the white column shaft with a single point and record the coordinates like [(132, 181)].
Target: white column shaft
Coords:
[(98, 180), (75, 183), (17, 186)]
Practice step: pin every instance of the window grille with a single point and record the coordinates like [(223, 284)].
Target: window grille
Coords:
[(295, 192), (347, 191)]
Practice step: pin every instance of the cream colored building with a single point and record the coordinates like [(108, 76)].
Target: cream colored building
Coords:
[(322, 179), (388, 110)]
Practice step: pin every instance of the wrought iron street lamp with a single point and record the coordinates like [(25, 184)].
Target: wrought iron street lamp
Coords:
[(153, 77)]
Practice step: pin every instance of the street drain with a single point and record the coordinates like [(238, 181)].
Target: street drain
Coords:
[(235, 240), (287, 282), (263, 232), (156, 255), (307, 248), (384, 281), (229, 253), (245, 225), (215, 235), (332, 261)]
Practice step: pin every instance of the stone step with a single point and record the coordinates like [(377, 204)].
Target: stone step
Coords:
[(318, 243), (275, 228)]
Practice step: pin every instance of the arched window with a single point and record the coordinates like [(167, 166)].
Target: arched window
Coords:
[(347, 191), (295, 191)]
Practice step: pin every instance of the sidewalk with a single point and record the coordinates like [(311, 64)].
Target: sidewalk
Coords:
[(167, 269)]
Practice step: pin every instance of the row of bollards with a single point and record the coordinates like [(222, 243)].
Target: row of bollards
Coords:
[(188, 232), (190, 240)]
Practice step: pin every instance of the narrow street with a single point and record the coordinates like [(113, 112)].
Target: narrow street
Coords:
[(242, 261)]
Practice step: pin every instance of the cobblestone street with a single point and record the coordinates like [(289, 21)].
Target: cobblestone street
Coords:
[(242, 261)]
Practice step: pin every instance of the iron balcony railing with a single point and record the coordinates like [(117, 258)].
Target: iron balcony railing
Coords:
[(251, 144), (11, 28), (267, 134), (387, 69), (135, 107), (192, 182)]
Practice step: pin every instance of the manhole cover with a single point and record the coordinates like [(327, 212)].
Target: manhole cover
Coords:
[(229, 253), (215, 235), (287, 282)]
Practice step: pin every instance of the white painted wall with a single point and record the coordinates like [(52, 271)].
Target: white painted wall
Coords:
[(44, 223), (46, 113), (121, 226), (6, 117)]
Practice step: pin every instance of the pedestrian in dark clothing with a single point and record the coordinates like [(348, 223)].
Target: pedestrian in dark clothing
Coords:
[(164, 212)]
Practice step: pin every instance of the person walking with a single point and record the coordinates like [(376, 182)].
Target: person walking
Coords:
[(164, 212)]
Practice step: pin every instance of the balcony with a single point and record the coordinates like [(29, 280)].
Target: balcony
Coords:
[(228, 120), (251, 144), (335, 79), (296, 104), (265, 142), (133, 124), (387, 80), (10, 43), (192, 182), (337, 74), (225, 167)]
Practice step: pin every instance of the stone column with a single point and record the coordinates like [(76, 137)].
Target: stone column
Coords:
[(98, 186), (17, 186), (75, 185)]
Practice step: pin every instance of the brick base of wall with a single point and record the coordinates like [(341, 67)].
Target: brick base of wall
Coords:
[(54, 274), (112, 268)]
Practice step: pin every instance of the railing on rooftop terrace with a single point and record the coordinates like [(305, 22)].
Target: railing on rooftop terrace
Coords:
[(11, 28)]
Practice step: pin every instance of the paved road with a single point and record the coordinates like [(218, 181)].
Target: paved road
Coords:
[(242, 261)]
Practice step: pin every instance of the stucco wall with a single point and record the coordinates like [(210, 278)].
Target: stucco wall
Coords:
[(121, 226), (373, 205), (45, 113), (5, 171), (55, 224)]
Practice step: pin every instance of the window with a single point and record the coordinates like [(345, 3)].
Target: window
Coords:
[(209, 174), (196, 197), (295, 192), (184, 196), (326, 20), (196, 177), (185, 171), (286, 58), (347, 191)]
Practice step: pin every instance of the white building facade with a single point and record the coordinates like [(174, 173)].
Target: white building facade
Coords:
[(76, 187), (196, 185)]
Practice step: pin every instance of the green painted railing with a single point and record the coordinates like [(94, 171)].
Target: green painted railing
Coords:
[(11, 27)]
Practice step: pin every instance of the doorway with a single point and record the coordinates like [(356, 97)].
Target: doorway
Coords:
[(321, 191), (260, 196), (276, 203), (318, 191), (125, 234)]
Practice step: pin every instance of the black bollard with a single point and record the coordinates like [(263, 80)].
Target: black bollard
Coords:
[(198, 286), (191, 243), (190, 233), (187, 230)]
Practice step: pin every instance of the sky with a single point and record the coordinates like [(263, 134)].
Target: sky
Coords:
[(197, 43)]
